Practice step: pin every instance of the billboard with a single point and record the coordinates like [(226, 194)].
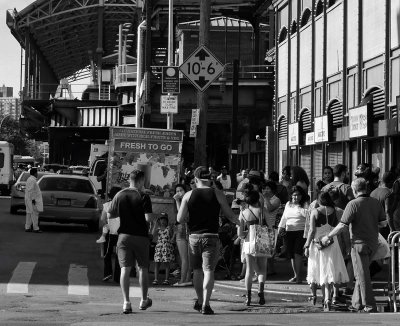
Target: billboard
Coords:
[(157, 152)]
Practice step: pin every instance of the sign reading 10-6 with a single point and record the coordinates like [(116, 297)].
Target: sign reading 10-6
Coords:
[(201, 68)]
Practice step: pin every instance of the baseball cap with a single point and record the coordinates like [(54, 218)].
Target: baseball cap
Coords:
[(202, 173)]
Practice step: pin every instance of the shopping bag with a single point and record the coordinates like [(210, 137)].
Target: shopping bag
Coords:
[(383, 250), (264, 241)]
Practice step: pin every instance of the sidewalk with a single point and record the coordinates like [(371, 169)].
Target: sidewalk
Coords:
[(279, 285)]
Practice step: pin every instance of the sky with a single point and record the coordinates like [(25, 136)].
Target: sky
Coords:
[(10, 53)]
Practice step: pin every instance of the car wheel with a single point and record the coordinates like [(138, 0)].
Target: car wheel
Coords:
[(13, 210), (93, 226)]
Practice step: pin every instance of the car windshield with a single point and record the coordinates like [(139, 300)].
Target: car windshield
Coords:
[(66, 184), (26, 175)]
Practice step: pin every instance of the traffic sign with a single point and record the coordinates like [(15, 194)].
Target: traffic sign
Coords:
[(202, 68), (169, 104), (170, 80)]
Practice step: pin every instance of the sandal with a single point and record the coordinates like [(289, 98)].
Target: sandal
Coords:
[(293, 280), (166, 282), (155, 282), (313, 298)]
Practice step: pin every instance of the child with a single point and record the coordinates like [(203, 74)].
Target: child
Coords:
[(164, 252), (106, 229)]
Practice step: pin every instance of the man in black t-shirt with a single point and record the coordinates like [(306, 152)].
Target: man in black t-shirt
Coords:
[(134, 210), (202, 205)]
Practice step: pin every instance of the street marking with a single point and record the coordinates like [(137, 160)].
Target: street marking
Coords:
[(78, 280), (265, 290), (20, 278)]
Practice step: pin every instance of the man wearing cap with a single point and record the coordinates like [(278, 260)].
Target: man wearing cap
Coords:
[(202, 206), (224, 178)]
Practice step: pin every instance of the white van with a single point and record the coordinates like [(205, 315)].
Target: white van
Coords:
[(6, 167)]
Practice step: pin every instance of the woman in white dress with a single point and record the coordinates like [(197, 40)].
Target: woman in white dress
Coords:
[(326, 266)]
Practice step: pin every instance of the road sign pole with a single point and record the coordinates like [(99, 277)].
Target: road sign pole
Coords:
[(200, 152), (170, 116)]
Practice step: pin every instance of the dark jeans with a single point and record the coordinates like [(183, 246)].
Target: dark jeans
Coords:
[(111, 242), (363, 295)]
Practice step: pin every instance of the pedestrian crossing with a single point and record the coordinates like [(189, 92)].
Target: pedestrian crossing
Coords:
[(75, 282)]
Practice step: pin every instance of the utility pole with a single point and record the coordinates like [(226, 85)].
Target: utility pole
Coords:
[(170, 116), (200, 150)]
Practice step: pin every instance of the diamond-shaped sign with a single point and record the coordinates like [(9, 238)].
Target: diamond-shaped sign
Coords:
[(202, 68)]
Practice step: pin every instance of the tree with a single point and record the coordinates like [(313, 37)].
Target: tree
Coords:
[(10, 132)]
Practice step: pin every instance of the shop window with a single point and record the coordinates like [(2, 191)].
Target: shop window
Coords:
[(305, 17), (282, 34), (319, 8)]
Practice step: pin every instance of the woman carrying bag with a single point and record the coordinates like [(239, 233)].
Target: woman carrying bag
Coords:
[(250, 218), (326, 265)]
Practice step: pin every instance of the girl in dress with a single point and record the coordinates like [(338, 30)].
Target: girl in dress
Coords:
[(164, 251), (326, 267), (248, 218)]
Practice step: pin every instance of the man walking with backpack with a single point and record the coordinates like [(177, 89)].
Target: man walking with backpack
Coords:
[(339, 187)]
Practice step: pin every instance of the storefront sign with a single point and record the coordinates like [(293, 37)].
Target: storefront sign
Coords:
[(321, 129), (293, 130), (157, 152), (358, 122), (310, 138)]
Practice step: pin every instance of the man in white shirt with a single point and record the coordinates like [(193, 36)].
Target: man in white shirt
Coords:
[(33, 202), (224, 178)]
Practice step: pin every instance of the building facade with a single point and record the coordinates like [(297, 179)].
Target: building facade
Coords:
[(337, 83), (10, 106)]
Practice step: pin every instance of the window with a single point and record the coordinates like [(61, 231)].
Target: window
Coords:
[(293, 30), (1, 160), (66, 184), (305, 17), (319, 9), (282, 34)]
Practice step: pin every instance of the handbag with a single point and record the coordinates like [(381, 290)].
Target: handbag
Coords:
[(263, 244), (383, 250), (318, 243)]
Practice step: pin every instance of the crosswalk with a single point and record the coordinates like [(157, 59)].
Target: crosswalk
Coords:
[(75, 283)]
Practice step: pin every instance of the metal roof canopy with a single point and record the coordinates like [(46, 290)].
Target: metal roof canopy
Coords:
[(68, 32)]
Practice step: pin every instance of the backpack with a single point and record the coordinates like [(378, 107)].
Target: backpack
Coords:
[(338, 194)]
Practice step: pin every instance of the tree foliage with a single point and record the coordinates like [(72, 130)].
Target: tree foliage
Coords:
[(10, 132)]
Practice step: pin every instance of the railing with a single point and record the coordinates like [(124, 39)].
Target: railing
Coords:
[(67, 92), (127, 73), (394, 244)]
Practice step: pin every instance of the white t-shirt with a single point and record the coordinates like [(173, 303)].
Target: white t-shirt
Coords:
[(293, 218)]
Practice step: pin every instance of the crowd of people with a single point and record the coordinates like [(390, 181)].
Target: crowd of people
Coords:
[(336, 229)]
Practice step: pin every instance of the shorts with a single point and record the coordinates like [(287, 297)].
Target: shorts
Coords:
[(181, 233), (294, 241), (131, 248), (204, 251)]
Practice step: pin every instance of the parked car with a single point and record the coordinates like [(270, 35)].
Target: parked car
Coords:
[(70, 199), (54, 167), (79, 169), (18, 191)]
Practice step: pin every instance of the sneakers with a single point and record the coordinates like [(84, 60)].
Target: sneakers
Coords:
[(144, 304), (102, 239), (197, 306), (127, 308), (37, 231), (206, 310)]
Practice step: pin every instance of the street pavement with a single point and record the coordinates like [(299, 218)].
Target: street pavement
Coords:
[(54, 278)]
